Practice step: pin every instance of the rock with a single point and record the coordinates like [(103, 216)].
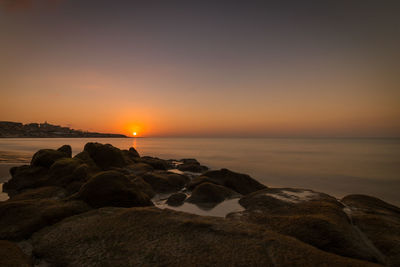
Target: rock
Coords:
[(379, 221), (165, 182), (112, 188), (66, 149), (52, 192), (19, 219), (210, 193), (142, 186), (156, 163), (151, 236), (191, 165), (24, 177), (133, 152), (105, 156), (197, 181), (46, 157), (241, 183), (139, 168), (12, 256), (314, 218), (85, 158), (176, 199), (66, 171)]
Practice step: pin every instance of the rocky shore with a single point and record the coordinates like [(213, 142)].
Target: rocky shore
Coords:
[(112, 207)]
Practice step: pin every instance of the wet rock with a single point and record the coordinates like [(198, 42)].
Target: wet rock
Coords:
[(165, 182), (66, 149), (19, 219), (105, 156), (191, 165), (150, 236), (241, 183), (210, 193), (46, 157), (12, 256), (314, 218), (176, 199), (24, 177), (156, 163), (112, 188), (379, 221)]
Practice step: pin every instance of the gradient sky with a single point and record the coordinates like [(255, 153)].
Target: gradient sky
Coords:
[(202, 68)]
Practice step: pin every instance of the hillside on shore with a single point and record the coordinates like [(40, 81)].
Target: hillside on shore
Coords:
[(45, 130)]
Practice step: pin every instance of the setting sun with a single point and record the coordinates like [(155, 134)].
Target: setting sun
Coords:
[(134, 133)]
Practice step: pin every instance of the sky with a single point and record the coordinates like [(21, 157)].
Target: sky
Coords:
[(203, 68)]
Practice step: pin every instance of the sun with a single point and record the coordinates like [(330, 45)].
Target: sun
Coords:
[(134, 133)]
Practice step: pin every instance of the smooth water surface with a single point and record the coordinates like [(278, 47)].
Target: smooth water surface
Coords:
[(334, 166)]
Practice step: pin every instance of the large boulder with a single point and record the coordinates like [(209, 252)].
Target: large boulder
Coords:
[(19, 219), (312, 217), (209, 193), (52, 192), (24, 177), (46, 157), (85, 158), (379, 221), (241, 183), (154, 237), (105, 156), (12, 256), (165, 182), (66, 149), (68, 172), (139, 168), (112, 188), (142, 186)]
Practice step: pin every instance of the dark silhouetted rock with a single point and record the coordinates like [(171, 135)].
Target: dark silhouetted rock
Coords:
[(241, 183), (165, 182), (176, 199), (66, 171), (133, 152), (66, 149), (112, 188), (12, 256), (156, 163), (210, 193), (142, 186), (19, 219), (139, 168), (85, 158), (314, 218), (24, 177), (46, 157), (151, 236), (105, 156), (379, 221), (52, 192)]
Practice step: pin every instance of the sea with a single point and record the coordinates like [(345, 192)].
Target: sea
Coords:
[(339, 166)]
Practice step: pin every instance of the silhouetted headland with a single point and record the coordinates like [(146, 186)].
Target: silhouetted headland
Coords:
[(112, 207), (45, 130)]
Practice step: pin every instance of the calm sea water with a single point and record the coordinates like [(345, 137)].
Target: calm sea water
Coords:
[(334, 166)]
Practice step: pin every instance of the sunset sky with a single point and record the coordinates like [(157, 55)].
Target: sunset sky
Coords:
[(198, 68)]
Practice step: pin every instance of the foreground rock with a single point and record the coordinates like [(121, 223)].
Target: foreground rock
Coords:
[(19, 219), (105, 156), (165, 182), (191, 165), (12, 256), (154, 237), (241, 183), (112, 188), (46, 157), (176, 199), (314, 218), (379, 221)]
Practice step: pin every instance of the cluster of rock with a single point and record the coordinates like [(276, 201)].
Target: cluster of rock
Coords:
[(96, 208), (10, 129)]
